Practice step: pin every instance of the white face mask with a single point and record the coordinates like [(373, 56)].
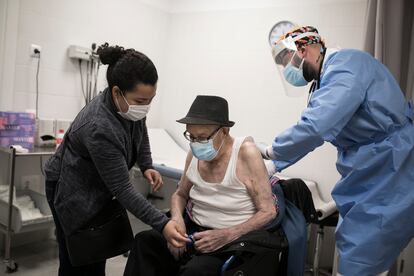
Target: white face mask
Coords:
[(134, 112)]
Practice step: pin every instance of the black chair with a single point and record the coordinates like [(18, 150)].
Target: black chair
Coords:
[(257, 253), (267, 254)]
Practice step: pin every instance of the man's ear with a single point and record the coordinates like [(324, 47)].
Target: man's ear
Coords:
[(226, 130)]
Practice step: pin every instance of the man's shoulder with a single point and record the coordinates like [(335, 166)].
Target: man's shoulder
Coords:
[(352, 56), (248, 149)]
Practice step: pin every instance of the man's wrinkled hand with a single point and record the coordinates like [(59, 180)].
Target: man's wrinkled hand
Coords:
[(212, 240)]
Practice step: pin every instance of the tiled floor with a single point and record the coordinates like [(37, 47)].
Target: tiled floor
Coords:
[(41, 258)]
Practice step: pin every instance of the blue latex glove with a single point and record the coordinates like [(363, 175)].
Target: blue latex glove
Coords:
[(265, 150), (270, 167)]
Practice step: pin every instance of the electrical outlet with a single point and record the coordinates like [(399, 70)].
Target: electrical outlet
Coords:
[(31, 182), (35, 50)]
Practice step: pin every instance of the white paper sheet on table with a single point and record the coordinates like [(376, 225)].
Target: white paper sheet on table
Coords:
[(165, 151)]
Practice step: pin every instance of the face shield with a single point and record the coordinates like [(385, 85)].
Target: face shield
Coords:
[(290, 67), (289, 63)]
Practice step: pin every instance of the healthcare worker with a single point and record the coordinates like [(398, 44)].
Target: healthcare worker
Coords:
[(356, 105), (105, 140)]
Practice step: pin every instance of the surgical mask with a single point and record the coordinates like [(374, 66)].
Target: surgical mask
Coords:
[(205, 151), (134, 112), (294, 75)]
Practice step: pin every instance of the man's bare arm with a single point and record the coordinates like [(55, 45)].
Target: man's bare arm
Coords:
[(180, 197)]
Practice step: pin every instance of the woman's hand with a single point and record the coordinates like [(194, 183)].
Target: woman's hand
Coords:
[(154, 178), (176, 252), (211, 240), (173, 234)]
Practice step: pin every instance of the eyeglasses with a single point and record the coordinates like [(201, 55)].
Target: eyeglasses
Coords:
[(202, 140)]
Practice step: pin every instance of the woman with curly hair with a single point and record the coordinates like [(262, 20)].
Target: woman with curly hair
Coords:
[(106, 139)]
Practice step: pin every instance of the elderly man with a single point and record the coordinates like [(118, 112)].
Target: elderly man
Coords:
[(224, 193)]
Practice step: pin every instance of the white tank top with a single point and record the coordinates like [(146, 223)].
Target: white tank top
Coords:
[(219, 205)]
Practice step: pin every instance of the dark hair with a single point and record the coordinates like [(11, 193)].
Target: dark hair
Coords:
[(127, 67)]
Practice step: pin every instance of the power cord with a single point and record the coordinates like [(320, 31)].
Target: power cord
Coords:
[(81, 76), (37, 54)]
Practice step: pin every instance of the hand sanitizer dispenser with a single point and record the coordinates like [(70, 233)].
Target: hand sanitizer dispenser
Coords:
[(45, 133)]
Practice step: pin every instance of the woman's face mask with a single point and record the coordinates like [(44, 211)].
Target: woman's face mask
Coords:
[(205, 151), (134, 112)]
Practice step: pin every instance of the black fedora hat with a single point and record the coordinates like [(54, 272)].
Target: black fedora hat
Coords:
[(208, 110)]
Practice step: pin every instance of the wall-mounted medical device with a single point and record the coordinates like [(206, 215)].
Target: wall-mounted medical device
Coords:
[(47, 131), (78, 52), (88, 75)]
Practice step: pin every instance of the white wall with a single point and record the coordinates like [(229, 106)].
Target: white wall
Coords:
[(3, 26), (9, 14), (56, 24)]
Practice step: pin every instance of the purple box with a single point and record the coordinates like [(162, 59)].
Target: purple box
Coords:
[(26, 142), (17, 131), (17, 118)]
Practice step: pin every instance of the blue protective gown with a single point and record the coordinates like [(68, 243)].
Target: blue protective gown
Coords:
[(361, 110)]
